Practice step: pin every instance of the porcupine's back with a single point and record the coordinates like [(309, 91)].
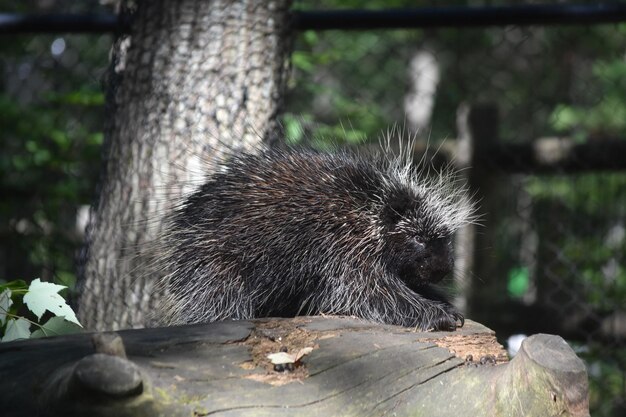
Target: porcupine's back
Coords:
[(288, 232)]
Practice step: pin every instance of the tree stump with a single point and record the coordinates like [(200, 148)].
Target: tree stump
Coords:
[(356, 368)]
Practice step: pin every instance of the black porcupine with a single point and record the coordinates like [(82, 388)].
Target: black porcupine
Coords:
[(288, 232)]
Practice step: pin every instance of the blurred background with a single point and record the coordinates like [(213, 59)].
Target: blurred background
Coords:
[(551, 254)]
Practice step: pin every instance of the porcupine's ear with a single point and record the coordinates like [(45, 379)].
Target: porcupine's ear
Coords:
[(396, 204)]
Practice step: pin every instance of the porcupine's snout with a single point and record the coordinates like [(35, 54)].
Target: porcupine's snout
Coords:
[(423, 262), (438, 260)]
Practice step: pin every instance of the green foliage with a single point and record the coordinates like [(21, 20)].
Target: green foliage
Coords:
[(596, 203), (530, 73), (606, 116), (47, 168), (39, 298), (50, 141), (586, 194), (345, 112)]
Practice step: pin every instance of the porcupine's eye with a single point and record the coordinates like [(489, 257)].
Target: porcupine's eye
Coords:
[(418, 246)]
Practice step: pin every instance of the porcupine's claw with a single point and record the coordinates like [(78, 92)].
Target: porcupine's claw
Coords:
[(449, 321)]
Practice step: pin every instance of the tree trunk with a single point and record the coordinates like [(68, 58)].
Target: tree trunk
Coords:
[(420, 99), (355, 368), (192, 80)]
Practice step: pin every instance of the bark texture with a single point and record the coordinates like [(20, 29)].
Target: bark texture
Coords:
[(354, 369), (193, 79)]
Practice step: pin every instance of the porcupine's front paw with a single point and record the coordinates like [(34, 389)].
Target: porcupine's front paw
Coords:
[(447, 318)]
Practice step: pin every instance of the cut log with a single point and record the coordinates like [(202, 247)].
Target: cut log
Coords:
[(356, 368)]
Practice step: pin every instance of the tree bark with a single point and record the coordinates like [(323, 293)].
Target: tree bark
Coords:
[(355, 368), (193, 80)]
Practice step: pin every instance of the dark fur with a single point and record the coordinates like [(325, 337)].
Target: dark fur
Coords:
[(291, 232)]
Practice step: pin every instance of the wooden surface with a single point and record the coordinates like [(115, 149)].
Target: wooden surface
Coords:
[(355, 369)]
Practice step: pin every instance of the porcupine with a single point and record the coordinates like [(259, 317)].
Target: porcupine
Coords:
[(288, 232)]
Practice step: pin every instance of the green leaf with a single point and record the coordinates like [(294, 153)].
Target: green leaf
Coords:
[(95, 138), (17, 329), (66, 278), (293, 130), (518, 282), (42, 296), (311, 37), (5, 304), (56, 326), (18, 284), (303, 61)]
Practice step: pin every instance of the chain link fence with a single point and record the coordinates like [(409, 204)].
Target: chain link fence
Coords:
[(549, 106)]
